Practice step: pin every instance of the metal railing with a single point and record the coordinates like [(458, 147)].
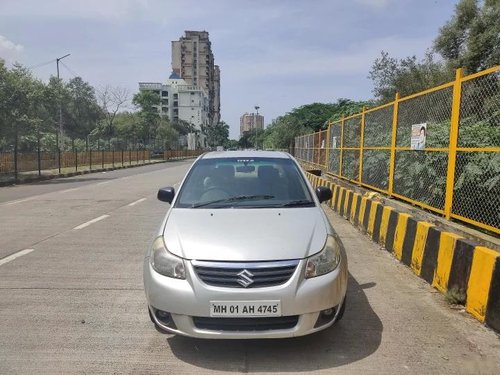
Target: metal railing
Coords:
[(181, 154), (23, 161), (438, 149)]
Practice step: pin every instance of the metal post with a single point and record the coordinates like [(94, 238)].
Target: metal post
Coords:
[(15, 154), (99, 148), (58, 153), (112, 153), (393, 142), (320, 135), (121, 144), (90, 155), (129, 154), (39, 154), (341, 145), (452, 149), (328, 145), (361, 145), (256, 128), (60, 105), (76, 154)]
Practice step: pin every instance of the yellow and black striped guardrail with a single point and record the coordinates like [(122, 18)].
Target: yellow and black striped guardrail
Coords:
[(452, 264)]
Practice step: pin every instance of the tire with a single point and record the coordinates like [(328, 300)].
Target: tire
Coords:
[(342, 309), (151, 316)]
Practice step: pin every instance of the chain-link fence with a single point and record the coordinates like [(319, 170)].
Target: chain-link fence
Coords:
[(420, 172), (438, 149), (477, 172)]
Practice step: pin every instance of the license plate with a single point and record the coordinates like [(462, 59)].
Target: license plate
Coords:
[(245, 308)]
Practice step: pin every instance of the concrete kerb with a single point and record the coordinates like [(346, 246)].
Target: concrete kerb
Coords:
[(86, 171), (460, 268)]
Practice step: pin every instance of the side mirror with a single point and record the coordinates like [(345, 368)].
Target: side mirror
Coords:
[(166, 194), (323, 193)]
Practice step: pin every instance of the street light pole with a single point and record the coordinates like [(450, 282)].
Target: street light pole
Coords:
[(61, 141), (256, 117)]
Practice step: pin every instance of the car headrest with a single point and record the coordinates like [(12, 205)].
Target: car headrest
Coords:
[(224, 171), (267, 171)]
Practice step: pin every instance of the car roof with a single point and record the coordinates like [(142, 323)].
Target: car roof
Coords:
[(246, 154)]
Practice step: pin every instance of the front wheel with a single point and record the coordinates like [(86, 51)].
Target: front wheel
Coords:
[(342, 309)]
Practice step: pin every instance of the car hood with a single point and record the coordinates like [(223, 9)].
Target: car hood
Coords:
[(245, 234)]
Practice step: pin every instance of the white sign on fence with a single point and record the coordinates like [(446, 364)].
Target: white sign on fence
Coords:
[(418, 136)]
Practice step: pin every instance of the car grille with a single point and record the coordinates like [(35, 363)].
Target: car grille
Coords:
[(245, 275), (246, 324)]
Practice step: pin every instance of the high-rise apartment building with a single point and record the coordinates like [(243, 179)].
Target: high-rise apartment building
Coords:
[(193, 61), (217, 95), (250, 121)]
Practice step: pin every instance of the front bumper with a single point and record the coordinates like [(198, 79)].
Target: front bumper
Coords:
[(185, 299)]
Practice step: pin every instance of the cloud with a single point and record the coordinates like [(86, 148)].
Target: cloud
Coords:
[(9, 51)]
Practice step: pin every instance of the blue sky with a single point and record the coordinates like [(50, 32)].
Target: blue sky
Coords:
[(275, 54)]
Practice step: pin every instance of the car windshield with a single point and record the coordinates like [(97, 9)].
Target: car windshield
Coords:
[(244, 183)]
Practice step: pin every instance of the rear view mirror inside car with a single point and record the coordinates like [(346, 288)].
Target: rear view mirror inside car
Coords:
[(245, 168)]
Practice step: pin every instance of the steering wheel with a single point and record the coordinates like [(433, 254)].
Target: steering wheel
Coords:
[(215, 192)]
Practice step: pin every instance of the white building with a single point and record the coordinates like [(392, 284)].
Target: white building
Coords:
[(180, 101)]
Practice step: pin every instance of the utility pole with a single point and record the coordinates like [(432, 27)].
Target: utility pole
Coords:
[(255, 123), (61, 141)]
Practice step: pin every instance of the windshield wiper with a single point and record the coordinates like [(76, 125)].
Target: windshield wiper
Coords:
[(238, 198), (299, 203)]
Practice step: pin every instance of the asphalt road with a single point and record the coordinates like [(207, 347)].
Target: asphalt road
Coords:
[(73, 302)]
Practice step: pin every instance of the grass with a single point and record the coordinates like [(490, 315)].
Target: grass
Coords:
[(455, 296)]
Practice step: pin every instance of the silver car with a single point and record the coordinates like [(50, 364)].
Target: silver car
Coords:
[(245, 251)]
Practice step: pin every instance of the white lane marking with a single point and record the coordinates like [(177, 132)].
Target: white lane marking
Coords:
[(20, 201), (14, 256), (105, 182), (72, 189), (137, 201), (91, 222)]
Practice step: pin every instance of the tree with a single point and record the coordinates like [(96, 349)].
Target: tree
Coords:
[(244, 141), (167, 136), (305, 119), (111, 100), (471, 39), (128, 125), (231, 144), (406, 76), (281, 133), (218, 134), (81, 110), (21, 112), (148, 102), (183, 127)]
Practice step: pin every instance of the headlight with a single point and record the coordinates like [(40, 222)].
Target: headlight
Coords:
[(165, 262), (325, 261)]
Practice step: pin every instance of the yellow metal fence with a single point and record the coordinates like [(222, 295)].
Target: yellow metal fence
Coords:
[(438, 149)]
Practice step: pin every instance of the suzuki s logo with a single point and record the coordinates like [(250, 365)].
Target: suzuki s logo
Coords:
[(245, 278)]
